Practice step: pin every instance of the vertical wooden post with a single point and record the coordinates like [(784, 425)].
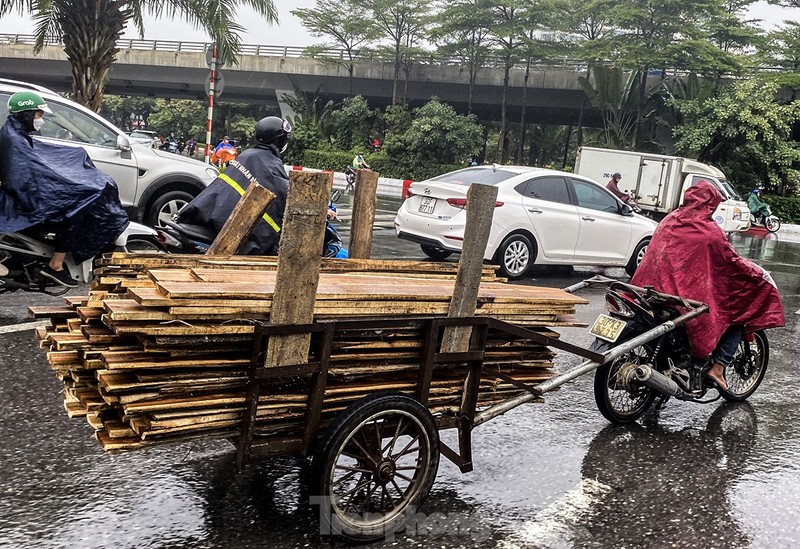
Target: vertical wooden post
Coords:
[(365, 203), (480, 210), (299, 258), (242, 221)]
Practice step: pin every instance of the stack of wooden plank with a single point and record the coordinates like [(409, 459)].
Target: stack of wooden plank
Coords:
[(159, 349)]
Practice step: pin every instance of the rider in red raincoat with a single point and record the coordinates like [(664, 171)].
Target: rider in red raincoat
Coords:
[(690, 256)]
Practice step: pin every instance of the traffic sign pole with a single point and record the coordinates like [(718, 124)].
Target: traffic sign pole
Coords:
[(212, 84)]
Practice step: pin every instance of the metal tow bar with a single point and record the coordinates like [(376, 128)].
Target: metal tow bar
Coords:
[(589, 365)]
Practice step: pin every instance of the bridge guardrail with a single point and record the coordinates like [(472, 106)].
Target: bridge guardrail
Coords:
[(293, 51)]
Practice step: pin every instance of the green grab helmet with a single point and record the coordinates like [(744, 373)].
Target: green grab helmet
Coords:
[(27, 101)]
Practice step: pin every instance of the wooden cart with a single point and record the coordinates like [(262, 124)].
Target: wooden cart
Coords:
[(375, 462)]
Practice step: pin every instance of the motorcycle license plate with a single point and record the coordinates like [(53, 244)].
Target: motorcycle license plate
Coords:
[(607, 328), (427, 205)]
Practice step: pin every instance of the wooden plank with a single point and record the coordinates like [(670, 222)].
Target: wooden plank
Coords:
[(239, 226), (299, 258), (480, 210), (365, 203)]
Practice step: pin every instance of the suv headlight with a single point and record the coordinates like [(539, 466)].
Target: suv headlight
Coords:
[(212, 172)]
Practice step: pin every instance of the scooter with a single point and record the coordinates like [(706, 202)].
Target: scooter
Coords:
[(770, 222), (23, 255), (186, 238)]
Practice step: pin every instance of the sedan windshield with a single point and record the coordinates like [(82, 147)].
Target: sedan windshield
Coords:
[(484, 176)]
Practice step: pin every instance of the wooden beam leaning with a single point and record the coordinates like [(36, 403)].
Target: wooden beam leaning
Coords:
[(299, 258), (242, 221), (365, 203), (481, 201)]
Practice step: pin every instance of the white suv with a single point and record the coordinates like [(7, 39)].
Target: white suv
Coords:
[(153, 184)]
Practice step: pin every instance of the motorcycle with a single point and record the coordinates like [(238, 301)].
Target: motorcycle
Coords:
[(626, 387), (23, 255), (186, 238), (350, 177), (770, 222), (631, 201), (170, 146)]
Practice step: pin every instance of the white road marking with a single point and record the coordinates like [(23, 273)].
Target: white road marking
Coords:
[(22, 327)]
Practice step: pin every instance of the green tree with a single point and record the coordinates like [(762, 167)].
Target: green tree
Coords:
[(90, 30), (345, 24), (665, 35), (353, 124), (402, 22), (616, 97), (437, 135), (508, 26), (122, 110), (743, 122), (183, 117), (461, 30)]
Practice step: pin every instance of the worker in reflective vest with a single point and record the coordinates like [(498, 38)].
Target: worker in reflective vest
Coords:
[(261, 164)]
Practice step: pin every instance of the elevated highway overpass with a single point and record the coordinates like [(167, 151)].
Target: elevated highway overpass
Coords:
[(265, 73)]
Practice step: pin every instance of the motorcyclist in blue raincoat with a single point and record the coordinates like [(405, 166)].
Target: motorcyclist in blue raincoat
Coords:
[(55, 184)]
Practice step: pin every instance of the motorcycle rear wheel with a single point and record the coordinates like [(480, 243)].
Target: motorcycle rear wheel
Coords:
[(749, 366), (617, 403)]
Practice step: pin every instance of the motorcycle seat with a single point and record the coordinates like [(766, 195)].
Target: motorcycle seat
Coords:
[(194, 231)]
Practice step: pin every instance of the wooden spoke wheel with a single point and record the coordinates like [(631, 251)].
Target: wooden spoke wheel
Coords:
[(376, 467)]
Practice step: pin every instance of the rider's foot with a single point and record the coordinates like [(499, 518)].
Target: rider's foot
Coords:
[(717, 375), (61, 277)]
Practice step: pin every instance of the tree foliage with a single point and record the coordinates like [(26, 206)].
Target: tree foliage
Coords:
[(341, 22), (437, 135), (743, 122), (90, 31)]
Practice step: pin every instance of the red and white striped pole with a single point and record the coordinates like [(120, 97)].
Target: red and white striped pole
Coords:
[(212, 79)]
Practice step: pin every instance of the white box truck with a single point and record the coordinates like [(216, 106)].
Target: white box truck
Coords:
[(659, 182)]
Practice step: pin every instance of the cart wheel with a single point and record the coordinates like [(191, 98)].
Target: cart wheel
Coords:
[(375, 467)]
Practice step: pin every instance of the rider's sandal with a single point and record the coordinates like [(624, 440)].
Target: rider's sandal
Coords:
[(720, 384)]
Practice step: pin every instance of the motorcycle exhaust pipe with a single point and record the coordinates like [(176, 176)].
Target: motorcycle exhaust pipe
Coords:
[(659, 382)]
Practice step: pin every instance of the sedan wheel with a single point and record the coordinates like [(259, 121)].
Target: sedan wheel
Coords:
[(637, 257), (515, 256)]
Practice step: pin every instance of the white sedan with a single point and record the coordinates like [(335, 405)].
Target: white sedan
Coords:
[(541, 216)]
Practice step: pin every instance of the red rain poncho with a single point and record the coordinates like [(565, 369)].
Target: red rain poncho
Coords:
[(689, 256)]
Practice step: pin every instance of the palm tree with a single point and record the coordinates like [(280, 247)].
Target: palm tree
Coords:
[(90, 30)]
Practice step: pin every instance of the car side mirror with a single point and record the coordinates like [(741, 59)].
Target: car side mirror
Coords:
[(123, 143), (626, 210)]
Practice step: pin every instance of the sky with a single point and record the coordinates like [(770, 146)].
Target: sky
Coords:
[(290, 32)]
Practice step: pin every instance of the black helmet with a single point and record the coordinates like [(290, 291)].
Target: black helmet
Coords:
[(273, 130), (617, 175)]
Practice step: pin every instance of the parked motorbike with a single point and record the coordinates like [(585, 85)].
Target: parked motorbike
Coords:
[(770, 222), (626, 387), (23, 255), (186, 238)]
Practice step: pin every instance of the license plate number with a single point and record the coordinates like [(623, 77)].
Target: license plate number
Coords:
[(427, 205), (607, 328)]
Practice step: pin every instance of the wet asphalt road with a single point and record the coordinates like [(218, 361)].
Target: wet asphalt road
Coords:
[(546, 475)]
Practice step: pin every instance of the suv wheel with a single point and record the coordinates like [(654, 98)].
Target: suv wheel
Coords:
[(165, 205)]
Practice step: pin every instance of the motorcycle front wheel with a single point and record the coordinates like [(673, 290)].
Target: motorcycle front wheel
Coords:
[(619, 399), (748, 368), (772, 224)]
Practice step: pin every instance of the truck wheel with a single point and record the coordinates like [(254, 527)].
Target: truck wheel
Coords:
[(164, 206), (515, 256), (375, 467), (637, 257)]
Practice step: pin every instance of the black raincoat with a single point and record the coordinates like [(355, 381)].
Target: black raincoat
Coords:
[(41, 182), (212, 207)]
